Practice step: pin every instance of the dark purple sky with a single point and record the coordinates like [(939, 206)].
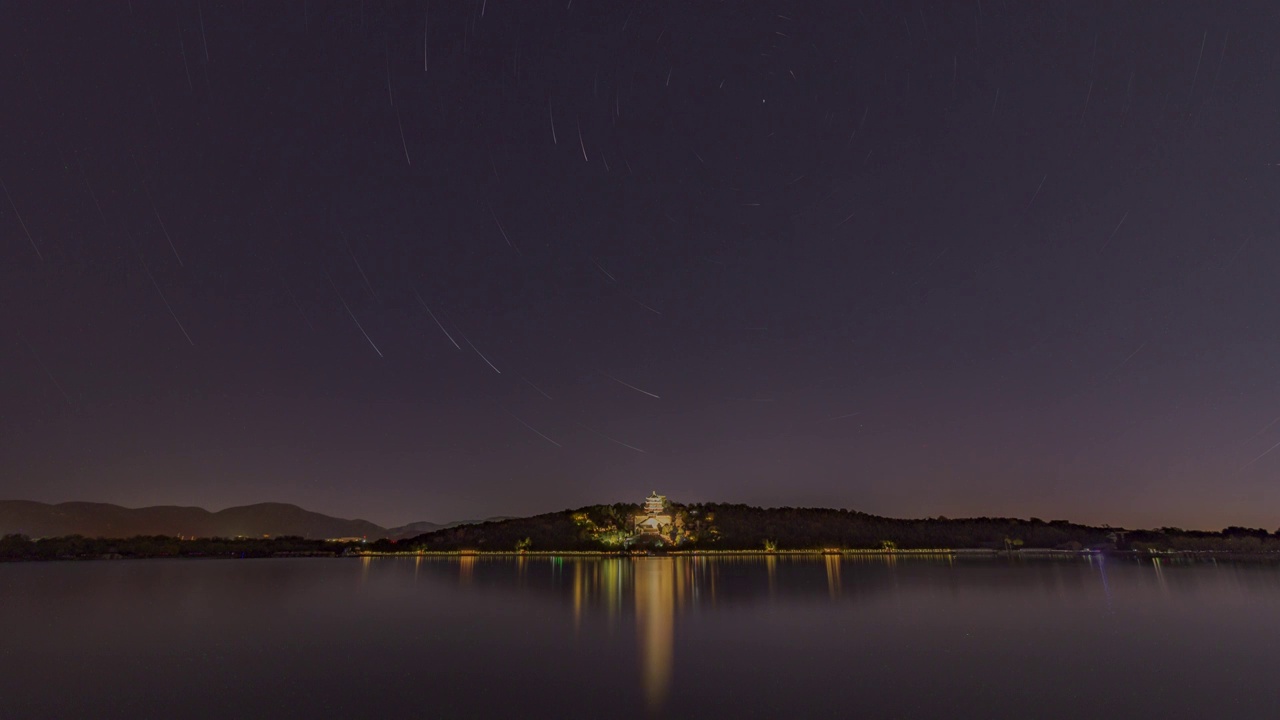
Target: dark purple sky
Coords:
[(913, 258)]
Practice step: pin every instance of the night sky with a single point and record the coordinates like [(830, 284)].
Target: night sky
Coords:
[(408, 261)]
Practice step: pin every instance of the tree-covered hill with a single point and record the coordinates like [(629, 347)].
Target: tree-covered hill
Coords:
[(597, 527), (743, 527), (718, 526), (715, 526)]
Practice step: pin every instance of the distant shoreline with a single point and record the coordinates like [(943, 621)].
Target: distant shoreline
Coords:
[(42, 531), (697, 531), (956, 552), (973, 554)]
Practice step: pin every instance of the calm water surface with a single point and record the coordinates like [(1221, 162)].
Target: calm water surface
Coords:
[(654, 637)]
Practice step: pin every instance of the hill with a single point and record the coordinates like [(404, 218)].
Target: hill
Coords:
[(35, 519), (414, 529), (549, 531), (717, 526), (422, 528)]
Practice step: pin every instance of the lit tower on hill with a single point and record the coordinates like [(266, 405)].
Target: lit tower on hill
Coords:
[(655, 516)]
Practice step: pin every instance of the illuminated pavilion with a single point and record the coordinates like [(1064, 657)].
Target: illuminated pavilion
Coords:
[(654, 517)]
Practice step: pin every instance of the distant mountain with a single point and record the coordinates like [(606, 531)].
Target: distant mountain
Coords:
[(35, 519), (413, 530), (494, 519)]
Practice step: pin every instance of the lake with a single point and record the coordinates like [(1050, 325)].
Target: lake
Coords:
[(541, 637)]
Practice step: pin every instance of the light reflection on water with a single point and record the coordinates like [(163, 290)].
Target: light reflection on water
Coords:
[(659, 589), (540, 636), (833, 575), (656, 622)]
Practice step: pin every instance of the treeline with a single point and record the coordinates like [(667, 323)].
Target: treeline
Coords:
[(78, 547), (718, 526), (1231, 540), (745, 527)]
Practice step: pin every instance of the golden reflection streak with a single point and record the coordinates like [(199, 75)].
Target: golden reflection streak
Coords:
[(681, 572), (611, 582), (466, 568), (771, 565), (655, 624), (579, 590), (593, 585), (833, 575)]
